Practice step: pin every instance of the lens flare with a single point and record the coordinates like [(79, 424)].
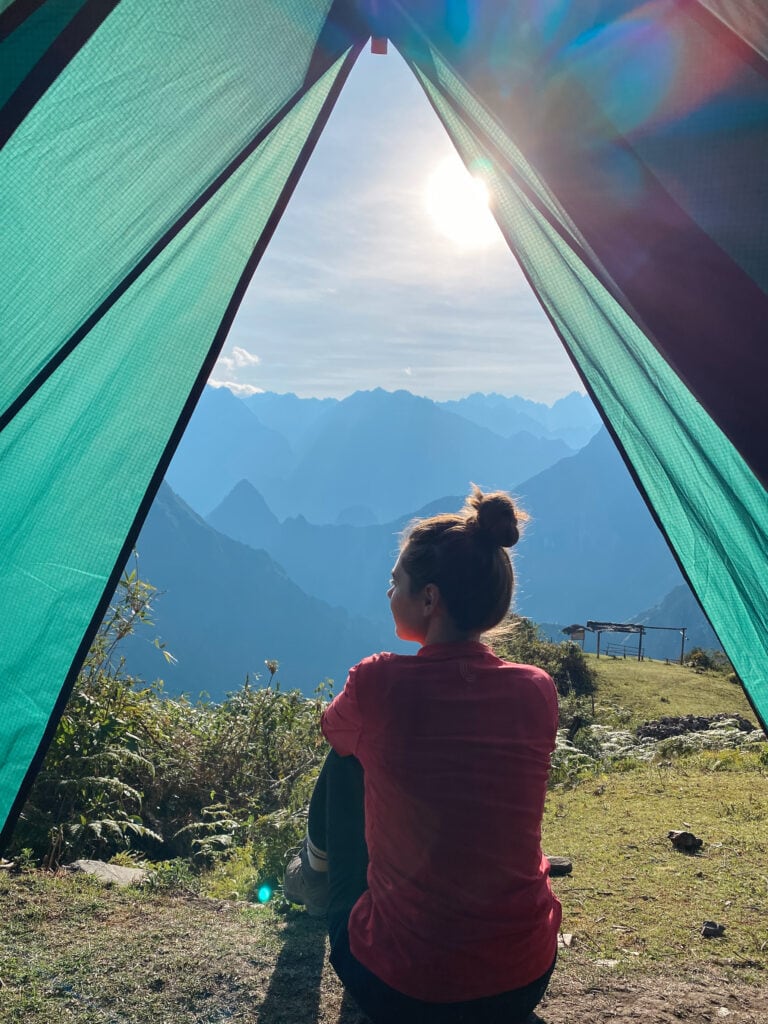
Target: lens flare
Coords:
[(264, 895)]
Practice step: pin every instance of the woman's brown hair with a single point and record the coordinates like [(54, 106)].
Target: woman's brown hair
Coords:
[(464, 554)]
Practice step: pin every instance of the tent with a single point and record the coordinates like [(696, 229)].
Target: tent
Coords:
[(149, 148)]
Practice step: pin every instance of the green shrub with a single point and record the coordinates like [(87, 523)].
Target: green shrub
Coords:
[(130, 770), (521, 641), (702, 660), (176, 875), (587, 742)]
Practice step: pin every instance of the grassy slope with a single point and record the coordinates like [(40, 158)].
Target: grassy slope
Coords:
[(650, 689), (72, 951), (632, 897)]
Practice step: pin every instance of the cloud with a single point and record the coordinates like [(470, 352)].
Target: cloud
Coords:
[(241, 390), (224, 363), (242, 357), (236, 360)]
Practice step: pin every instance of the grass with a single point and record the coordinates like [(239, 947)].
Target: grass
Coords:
[(71, 950), (634, 899), (639, 691)]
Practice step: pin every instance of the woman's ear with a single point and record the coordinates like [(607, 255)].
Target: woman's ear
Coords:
[(431, 598)]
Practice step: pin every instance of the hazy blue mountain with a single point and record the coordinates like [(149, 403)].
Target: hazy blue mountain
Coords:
[(393, 451), (678, 608), (225, 608), (245, 516), (572, 419), (289, 415), (366, 459), (347, 565), (224, 443), (592, 550)]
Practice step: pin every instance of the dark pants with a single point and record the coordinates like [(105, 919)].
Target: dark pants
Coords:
[(337, 825)]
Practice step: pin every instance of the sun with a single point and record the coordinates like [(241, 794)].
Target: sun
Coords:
[(458, 205)]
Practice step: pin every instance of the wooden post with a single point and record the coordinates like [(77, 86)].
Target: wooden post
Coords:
[(640, 644), (682, 644), (598, 642)]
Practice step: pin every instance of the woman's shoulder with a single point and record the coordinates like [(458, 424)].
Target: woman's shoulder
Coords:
[(531, 674), (374, 661)]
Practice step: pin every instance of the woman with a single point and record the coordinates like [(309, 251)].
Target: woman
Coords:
[(424, 828)]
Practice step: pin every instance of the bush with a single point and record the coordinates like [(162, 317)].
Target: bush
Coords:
[(701, 660), (130, 770), (521, 641)]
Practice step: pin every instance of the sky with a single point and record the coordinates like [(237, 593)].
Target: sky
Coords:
[(361, 287)]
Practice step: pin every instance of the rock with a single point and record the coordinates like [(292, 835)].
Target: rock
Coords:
[(565, 939), (712, 930), (559, 866), (685, 842), (110, 874)]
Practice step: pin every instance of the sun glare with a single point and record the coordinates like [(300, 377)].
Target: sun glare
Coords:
[(458, 204)]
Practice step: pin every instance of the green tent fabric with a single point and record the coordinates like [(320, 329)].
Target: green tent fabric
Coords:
[(149, 149)]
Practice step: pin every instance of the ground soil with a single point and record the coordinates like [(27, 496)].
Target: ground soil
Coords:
[(581, 992), (657, 999), (71, 951)]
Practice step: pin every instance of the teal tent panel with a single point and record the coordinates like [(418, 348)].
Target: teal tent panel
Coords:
[(77, 461), (747, 18), (711, 507), (155, 106), (648, 124)]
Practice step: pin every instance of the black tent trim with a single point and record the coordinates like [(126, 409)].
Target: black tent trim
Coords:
[(173, 441), (52, 63)]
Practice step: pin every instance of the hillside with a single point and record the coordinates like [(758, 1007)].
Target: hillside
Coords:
[(391, 453), (678, 608), (223, 443), (369, 458), (347, 565), (597, 554), (293, 417), (572, 419), (646, 690), (592, 550), (225, 608)]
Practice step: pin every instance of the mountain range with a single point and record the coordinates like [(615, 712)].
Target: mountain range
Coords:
[(370, 457), (591, 549), (224, 608), (250, 582)]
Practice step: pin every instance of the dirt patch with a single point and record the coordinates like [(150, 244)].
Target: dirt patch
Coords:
[(581, 992), (706, 997)]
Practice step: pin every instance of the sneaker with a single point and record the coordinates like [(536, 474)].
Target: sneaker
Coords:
[(303, 885)]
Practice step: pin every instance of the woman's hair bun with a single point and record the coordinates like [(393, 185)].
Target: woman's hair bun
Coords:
[(496, 516)]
